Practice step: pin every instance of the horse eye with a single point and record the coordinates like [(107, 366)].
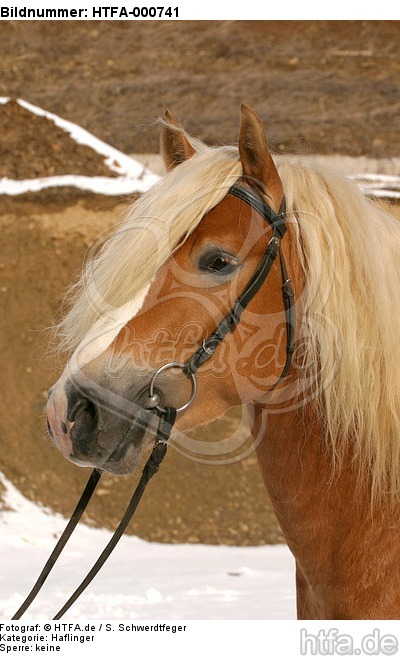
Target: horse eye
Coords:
[(223, 264)]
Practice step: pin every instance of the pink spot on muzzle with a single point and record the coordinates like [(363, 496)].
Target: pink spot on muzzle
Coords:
[(60, 427)]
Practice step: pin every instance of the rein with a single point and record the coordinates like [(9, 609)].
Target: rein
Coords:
[(151, 467), (167, 415)]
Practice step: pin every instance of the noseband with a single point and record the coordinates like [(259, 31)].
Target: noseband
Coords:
[(167, 415)]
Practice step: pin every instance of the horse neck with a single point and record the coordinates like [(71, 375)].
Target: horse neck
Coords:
[(342, 548)]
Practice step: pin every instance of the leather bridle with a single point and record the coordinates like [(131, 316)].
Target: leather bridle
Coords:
[(167, 415), (228, 324)]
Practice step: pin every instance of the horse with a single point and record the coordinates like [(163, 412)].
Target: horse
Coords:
[(233, 281)]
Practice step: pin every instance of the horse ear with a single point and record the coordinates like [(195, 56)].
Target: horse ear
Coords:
[(174, 145), (259, 169)]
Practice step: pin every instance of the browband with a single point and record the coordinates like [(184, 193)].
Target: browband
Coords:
[(277, 221)]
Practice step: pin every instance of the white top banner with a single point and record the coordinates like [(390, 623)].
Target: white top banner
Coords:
[(205, 10)]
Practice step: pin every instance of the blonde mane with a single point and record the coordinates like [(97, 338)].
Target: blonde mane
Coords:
[(349, 252)]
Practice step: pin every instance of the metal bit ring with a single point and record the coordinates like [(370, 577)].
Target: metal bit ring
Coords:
[(174, 365)]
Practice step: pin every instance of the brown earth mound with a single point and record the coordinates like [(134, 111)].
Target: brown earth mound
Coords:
[(33, 146)]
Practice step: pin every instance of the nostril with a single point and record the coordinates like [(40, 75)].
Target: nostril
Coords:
[(79, 405), (91, 409), (82, 405)]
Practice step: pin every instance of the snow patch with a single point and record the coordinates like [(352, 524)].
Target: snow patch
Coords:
[(142, 580)]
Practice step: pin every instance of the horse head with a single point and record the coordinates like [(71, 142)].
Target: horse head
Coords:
[(158, 290)]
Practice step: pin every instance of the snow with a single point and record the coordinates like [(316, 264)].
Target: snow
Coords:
[(99, 185), (142, 581), (378, 185)]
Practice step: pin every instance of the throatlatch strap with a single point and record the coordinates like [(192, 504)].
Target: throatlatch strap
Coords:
[(66, 534), (290, 314)]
